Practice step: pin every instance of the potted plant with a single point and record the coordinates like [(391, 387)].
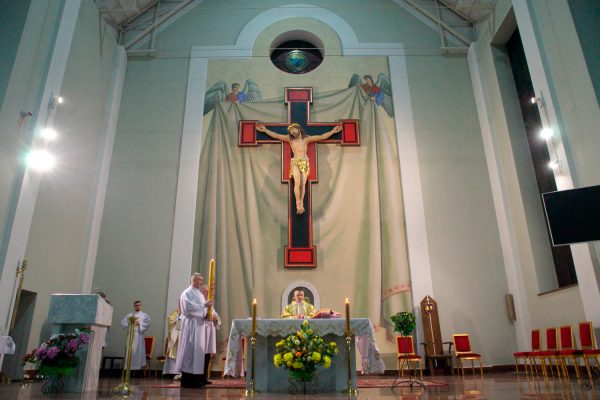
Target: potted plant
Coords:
[(302, 352), (404, 323), (56, 358)]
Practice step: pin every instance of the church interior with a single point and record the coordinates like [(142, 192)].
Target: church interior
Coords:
[(440, 145)]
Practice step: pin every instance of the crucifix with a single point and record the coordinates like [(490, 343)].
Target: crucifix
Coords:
[(299, 251)]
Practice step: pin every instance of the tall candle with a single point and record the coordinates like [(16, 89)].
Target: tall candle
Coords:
[(211, 287), (347, 317), (253, 317)]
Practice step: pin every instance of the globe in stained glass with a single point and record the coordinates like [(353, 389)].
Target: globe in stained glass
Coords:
[(296, 61)]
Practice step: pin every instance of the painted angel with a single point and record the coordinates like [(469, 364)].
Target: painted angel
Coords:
[(219, 92), (379, 92)]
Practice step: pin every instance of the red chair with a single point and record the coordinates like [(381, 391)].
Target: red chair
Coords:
[(587, 341), (551, 352), (462, 350), (149, 346), (568, 351), (406, 355), (529, 357)]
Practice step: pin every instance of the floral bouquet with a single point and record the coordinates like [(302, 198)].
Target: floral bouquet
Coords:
[(301, 352), (56, 357)]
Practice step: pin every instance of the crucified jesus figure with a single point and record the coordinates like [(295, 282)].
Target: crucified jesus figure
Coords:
[(299, 165)]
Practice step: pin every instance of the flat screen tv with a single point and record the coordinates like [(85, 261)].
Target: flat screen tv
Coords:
[(573, 215)]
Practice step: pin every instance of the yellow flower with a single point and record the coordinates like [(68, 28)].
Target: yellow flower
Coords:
[(288, 357), (277, 360), (305, 323), (297, 365), (332, 344), (316, 357), (289, 364), (326, 361), (280, 343)]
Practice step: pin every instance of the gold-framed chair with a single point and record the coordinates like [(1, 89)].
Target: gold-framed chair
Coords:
[(162, 359), (529, 357), (568, 351), (587, 341), (551, 352), (406, 355), (463, 351), (149, 346)]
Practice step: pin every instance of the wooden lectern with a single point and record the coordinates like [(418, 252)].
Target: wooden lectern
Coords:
[(434, 347)]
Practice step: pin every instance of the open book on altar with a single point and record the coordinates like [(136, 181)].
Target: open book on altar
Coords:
[(327, 313)]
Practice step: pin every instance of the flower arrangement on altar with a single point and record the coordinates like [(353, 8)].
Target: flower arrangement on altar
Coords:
[(57, 356), (302, 352)]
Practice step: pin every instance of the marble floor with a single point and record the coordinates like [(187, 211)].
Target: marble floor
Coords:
[(492, 386)]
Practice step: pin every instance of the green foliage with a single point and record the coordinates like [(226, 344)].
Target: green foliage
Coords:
[(301, 352), (404, 323)]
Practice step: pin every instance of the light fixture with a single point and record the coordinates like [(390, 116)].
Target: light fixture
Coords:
[(54, 100), (537, 100), (553, 164), (40, 160), (48, 134), (546, 133)]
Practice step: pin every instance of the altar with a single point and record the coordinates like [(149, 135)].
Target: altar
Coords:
[(268, 378)]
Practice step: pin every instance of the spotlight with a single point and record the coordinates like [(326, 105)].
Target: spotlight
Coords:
[(537, 100), (546, 133), (553, 164), (40, 160), (54, 100), (48, 134)]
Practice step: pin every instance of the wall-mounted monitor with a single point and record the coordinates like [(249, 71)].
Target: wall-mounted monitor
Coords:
[(573, 215)]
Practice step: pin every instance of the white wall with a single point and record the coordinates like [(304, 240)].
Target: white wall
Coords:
[(56, 244)]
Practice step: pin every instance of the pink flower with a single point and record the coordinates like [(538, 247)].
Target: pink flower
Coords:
[(84, 338), (52, 352), (72, 346), (40, 353)]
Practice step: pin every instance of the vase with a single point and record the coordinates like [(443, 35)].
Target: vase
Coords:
[(303, 381), (54, 384)]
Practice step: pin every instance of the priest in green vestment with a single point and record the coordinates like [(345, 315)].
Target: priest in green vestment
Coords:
[(298, 308)]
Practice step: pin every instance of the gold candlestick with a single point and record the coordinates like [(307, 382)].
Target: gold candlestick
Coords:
[(351, 391), (251, 391), (125, 387)]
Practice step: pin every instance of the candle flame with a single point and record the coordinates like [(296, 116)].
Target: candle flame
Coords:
[(254, 301), (347, 301)]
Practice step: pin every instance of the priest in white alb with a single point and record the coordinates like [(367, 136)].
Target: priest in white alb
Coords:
[(192, 344), (142, 322)]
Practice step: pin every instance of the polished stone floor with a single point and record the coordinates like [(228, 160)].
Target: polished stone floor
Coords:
[(492, 386)]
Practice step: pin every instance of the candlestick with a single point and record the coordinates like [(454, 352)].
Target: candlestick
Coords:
[(253, 317), (347, 317)]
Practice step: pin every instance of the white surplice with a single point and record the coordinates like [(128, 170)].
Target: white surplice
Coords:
[(138, 353), (192, 345), (210, 341)]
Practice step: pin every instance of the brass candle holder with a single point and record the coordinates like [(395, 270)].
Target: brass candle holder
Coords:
[(251, 391), (351, 390), (125, 387)]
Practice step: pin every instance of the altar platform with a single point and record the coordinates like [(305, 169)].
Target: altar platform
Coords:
[(269, 378)]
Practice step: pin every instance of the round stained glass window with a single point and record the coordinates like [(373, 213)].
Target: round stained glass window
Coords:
[(296, 57)]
